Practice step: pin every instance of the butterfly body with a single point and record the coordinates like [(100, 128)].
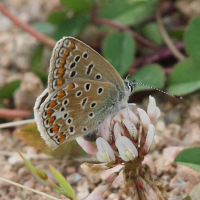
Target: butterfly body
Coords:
[(83, 89)]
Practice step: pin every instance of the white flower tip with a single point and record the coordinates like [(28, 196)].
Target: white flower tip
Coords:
[(144, 117), (126, 148), (86, 145), (150, 136), (116, 130), (130, 127), (105, 152)]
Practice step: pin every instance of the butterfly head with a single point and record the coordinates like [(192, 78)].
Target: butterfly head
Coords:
[(130, 86)]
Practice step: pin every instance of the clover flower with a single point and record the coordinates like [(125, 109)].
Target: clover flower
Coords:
[(125, 140)]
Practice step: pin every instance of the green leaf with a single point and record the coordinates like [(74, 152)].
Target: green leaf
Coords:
[(177, 32), (119, 49), (31, 136), (187, 198), (151, 74), (190, 158), (71, 27), (78, 6), (63, 183), (192, 39), (7, 90), (184, 77), (37, 56), (39, 173), (57, 17), (45, 27), (127, 12), (152, 32)]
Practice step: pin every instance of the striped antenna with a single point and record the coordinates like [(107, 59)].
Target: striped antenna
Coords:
[(149, 86)]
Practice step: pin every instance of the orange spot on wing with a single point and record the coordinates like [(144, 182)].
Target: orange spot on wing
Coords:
[(52, 104), (59, 82), (49, 112), (62, 137), (51, 120), (71, 86), (66, 53), (61, 72), (55, 128), (72, 46), (62, 62), (61, 94)]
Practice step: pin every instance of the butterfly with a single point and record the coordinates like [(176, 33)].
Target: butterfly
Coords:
[(83, 89)]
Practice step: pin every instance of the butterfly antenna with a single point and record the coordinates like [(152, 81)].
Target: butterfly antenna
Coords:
[(134, 83)]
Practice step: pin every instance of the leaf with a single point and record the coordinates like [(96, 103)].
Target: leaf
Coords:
[(192, 39), (57, 17), (78, 6), (177, 32), (127, 12), (39, 173), (37, 56), (119, 49), (151, 74), (190, 158), (45, 27), (152, 32), (187, 198), (184, 77), (71, 27), (30, 135), (68, 191), (7, 90)]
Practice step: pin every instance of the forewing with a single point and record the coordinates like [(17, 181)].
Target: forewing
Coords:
[(73, 110), (72, 59)]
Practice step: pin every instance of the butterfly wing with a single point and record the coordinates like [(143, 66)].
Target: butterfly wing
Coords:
[(72, 59), (74, 109)]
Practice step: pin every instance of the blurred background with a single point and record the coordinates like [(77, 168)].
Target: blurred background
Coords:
[(155, 42)]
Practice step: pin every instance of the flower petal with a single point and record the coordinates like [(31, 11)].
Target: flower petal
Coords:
[(86, 145), (116, 130), (150, 136), (105, 128), (126, 148), (153, 111), (144, 118), (97, 193), (131, 128), (103, 149)]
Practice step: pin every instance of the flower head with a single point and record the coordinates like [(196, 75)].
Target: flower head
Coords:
[(126, 139)]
